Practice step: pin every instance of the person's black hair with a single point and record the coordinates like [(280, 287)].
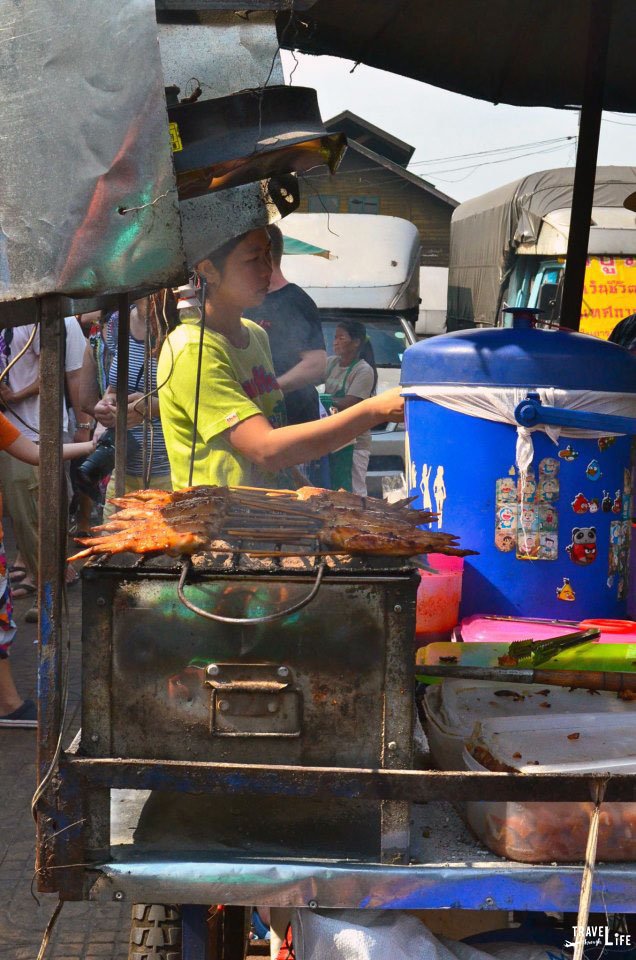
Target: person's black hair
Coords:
[(624, 333), (357, 331), (220, 255), (278, 243)]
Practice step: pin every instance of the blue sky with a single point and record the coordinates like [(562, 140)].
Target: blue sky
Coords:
[(445, 127)]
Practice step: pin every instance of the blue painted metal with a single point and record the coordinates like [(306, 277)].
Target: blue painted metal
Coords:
[(486, 885), (194, 932), (531, 412)]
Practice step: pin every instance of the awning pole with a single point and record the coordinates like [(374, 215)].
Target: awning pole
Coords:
[(586, 156)]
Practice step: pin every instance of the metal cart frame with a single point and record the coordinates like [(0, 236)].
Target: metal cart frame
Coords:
[(73, 856)]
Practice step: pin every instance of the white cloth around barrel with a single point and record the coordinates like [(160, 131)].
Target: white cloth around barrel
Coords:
[(499, 404)]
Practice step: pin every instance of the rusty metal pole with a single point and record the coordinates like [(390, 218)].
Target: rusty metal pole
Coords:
[(586, 155), (122, 395), (52, 552)]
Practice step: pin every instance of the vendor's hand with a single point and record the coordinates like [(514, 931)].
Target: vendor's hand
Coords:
[(137, 404), (105, 411), (389, 405)]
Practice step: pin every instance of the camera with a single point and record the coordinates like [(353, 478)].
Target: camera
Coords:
[(101, 461)]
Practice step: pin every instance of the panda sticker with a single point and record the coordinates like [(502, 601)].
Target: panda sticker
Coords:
[(583, 548)]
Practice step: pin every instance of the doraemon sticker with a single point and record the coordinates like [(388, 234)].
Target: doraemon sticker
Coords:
[(526, 516), (568, 453), (549, 467), (548, 488), (566, 591), (583, 548), (507, 517), (593, 470), (506, 490), (527, 488)]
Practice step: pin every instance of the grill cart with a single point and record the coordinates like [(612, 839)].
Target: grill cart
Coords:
[(239, 719)]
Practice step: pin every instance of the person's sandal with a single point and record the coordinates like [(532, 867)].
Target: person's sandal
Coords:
[(17, 573), (24, 590), (24, 716)]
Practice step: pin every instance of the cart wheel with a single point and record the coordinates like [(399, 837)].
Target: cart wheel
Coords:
[(155, 932)]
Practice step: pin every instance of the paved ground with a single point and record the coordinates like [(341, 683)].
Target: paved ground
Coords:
[(83, 931)]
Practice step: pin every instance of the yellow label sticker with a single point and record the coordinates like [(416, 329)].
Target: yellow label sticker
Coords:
[(175, 139)]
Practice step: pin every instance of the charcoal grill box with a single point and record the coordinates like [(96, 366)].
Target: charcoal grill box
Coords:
[(329, 685)]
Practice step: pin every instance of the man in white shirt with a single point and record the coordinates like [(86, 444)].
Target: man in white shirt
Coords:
[(20, 395)]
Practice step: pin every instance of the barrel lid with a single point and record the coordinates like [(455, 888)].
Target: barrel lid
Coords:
[(503, 357)]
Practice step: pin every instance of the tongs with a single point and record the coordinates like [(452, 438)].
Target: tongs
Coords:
[(539, 651)]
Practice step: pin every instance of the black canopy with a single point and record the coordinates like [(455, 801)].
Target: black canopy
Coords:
[(523, 52)]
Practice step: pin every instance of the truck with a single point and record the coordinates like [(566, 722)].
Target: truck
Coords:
[(364, 267), (508, 248)]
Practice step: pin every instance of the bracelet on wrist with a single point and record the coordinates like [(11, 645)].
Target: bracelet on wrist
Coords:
[(84, 426)]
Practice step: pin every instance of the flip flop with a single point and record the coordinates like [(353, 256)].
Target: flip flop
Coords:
[(24, 590)]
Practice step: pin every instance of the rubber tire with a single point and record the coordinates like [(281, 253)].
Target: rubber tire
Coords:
[(155, 932)]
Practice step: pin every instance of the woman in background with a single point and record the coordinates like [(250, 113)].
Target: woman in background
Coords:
[(351, 377)]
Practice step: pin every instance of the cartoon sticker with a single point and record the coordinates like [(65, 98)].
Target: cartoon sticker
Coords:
[(606, 502), (549, 467), (527, 487), (507, 517), (528, 545), (548, 488), (568, 453), (526, 518), (604, 443), (505, 540), (565, 591), (583, 549), (617, 505), (593, 470), (594, 505), (581, 504), (548, 518), (506, 490), (548, 546)]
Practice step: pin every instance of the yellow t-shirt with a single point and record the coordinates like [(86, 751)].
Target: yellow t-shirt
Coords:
[(236, 384)]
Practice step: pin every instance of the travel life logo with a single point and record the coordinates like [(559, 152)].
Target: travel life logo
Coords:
[(600, 936)]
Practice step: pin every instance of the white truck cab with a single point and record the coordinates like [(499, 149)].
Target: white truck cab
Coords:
[(364, 267)]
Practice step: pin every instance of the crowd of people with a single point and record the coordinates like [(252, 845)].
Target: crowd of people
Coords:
[(222, 389)]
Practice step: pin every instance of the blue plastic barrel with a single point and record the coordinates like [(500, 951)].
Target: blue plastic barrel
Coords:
[(558, 547)]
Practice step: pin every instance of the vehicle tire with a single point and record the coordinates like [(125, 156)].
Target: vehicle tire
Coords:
[(155, 932)]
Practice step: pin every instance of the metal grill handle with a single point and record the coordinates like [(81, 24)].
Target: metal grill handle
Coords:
[(247, 621)]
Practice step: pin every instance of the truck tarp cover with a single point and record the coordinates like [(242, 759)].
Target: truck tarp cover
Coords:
[(486, 231)]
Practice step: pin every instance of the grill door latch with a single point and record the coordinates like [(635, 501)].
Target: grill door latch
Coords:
[(253, 700)]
